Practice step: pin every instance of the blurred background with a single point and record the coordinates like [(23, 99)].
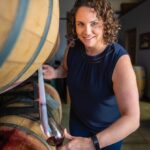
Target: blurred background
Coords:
[(34, 32)]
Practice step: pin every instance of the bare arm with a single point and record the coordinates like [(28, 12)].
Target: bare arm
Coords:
[(126, 92)]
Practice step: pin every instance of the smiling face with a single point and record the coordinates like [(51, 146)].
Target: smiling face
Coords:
[(89, 28)]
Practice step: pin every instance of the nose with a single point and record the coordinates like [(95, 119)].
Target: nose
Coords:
[(87, 30)]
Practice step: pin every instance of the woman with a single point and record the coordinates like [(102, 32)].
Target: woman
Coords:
[(101, 81)]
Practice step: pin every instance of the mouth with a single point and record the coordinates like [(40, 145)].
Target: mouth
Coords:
[(87, 38)]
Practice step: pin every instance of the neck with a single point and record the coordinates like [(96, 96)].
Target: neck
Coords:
[(95, 51)]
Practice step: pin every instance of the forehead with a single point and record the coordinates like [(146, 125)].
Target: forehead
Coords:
[(86, 13)]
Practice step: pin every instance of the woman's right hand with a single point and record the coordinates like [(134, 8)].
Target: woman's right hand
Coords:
[(49, 72)]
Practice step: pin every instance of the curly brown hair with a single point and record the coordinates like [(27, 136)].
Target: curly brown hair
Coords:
[(104, 11)]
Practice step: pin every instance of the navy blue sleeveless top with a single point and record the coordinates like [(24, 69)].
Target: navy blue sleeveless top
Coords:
[(90, 85)]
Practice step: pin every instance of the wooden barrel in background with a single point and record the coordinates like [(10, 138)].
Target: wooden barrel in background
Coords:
[(14, 137), (140, 78), (57, 113), (54, 50), (27, 119), (52, 92), (28, 31)]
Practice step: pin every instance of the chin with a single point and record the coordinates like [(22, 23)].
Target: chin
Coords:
[(88, 45), (86, 42)]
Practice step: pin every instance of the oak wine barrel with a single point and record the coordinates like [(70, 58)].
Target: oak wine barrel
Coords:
[(15, 137), (28, 33), (54, 50), (28, 120), (140, 78)]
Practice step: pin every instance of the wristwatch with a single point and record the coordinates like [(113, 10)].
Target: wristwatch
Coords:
[(95, 142)]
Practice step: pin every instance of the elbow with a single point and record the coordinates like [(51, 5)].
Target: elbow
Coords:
[(135, 123), (136, 126)]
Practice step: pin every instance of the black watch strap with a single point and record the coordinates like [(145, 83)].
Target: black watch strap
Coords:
[(95, 142)]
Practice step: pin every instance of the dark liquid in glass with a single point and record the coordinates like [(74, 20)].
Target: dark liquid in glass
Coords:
[(53, 141)]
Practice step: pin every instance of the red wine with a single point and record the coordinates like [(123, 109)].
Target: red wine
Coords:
[(57, 133), (55, 141)]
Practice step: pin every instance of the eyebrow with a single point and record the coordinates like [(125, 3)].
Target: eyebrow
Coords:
[(90, 21)]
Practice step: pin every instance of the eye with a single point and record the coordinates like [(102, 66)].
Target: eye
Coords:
[(79, 24), (94, 24)]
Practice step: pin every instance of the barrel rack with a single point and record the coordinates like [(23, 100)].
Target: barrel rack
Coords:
[(17, 95)]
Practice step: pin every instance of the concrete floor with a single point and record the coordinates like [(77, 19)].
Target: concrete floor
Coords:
[(139, 140)]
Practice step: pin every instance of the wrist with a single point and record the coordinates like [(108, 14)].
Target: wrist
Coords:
[(60, 73), (95, 142)]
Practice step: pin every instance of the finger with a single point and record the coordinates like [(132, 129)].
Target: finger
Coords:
[(45, 73), (67, 135)]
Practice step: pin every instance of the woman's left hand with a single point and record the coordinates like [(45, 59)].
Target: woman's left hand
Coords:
[(77, 143)]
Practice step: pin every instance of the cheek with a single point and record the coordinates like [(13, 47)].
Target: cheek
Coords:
[(78, 31), (99, 32), (79, 34)]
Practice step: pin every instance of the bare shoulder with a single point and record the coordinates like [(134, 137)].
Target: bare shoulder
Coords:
[(123, 69)]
